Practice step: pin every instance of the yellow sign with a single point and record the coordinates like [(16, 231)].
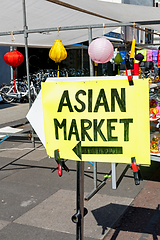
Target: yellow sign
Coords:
[(102, 121)]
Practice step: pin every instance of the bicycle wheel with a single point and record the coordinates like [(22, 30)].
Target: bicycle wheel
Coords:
[(4, 90)]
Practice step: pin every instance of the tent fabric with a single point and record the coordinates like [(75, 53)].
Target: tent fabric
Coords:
[(149, 56), (123, 55), (45, 14), (144, 53), (155, 55)]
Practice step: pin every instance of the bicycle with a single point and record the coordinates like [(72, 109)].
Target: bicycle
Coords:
[(19, 91)]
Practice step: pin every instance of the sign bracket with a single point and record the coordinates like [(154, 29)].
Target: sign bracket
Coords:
[(60, 162), (136, 171)]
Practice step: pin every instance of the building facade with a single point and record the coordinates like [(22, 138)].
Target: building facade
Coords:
[(156, 3), (126, 33), (156, 39), (139, 2), (140, 35)]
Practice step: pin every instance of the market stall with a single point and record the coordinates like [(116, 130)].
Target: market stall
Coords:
[(41, 22)]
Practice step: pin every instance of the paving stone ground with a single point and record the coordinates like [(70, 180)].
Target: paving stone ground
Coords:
[(37, 204)]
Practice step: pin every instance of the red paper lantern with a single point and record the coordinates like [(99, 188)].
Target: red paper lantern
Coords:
[(14, 58)]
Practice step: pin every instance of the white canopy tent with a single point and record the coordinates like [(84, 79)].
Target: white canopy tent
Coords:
[(38, 23), (42, 15)]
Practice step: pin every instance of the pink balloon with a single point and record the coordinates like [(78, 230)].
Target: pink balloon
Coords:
[(100, 50)]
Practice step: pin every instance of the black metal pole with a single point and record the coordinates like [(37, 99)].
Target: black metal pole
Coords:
[(80, 201), (90, 60)]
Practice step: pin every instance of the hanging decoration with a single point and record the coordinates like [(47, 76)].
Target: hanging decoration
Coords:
[(154, 55), (118, 59), (132, 49), (139, 57), (14, 59), (130, 62), (144, 53), (100, 50), (58, 53), (132, 53), (149, 55), (136, 68), (158, 60), (96, 68)]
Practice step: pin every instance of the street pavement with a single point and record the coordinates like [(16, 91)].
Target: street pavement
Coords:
[(141, 220), (13, 113), (37, 204)]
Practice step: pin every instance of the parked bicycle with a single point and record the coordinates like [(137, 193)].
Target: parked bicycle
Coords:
[(19, 91)]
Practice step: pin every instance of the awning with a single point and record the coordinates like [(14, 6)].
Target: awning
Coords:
[(42, 14)]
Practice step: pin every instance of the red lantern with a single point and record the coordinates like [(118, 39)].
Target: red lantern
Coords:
[(14, 59)]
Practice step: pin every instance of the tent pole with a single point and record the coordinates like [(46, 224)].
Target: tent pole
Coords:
[(90, 61), (130, 24), (82, 58), (27, 63), (26, 49), (92, 74)]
